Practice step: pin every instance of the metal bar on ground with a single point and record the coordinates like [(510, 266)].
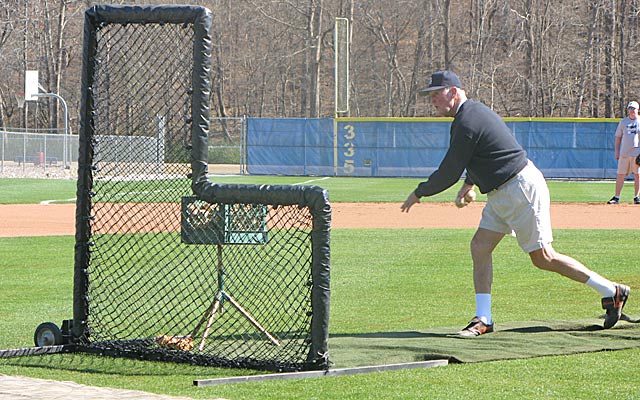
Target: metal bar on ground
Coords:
[(33, 351), (320, 374)]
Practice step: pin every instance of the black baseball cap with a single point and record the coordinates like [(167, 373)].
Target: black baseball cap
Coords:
[(440, 80)]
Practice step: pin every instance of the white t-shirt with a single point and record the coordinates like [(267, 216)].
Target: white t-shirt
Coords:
[(629, 130)]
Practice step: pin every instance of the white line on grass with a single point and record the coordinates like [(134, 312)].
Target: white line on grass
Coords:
[(313, 180), (116, 195), (47, 202)]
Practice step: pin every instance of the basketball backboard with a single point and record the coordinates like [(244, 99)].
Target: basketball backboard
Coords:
[(30, 85)]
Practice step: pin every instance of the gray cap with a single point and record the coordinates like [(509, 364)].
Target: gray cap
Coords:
[(440, 80)]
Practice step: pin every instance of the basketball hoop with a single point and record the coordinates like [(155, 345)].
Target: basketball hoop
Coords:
[(20, 99)]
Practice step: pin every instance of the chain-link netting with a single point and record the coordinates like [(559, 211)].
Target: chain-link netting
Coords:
[(161, 274), (217, 284), (142, 92)]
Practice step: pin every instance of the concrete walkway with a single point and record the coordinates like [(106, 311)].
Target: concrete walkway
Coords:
[(22, 388)]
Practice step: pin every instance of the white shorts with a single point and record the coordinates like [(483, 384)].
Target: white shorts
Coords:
[(521, 206), (627, 165)]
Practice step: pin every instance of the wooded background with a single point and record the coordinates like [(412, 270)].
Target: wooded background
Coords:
[(526, 58)]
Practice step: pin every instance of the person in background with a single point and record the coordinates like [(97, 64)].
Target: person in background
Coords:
[(626, 150), (517, 199)]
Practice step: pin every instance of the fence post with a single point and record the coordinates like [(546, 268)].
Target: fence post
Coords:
[(243, 145)]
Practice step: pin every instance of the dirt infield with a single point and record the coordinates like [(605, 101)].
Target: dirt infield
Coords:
[(59, 219)]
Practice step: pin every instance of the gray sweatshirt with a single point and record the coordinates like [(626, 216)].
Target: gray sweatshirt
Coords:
[(482, 144)]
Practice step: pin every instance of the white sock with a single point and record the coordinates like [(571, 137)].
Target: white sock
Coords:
[(605, 287), (483, 307)]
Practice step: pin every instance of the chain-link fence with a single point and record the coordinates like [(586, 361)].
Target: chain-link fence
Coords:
[(37, 153), (227, 145), (40, 153)]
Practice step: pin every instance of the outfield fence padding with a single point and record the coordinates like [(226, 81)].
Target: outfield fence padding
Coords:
[(414, 147)]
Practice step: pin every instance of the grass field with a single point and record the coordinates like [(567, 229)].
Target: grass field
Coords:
[(382, 280), (27, 191)]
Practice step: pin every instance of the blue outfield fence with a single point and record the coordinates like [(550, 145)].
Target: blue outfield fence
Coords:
[(414, 147), (290, 146)]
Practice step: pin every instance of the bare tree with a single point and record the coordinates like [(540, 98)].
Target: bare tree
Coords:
[(424, 26), (444, 7), (588, 57), (609, 31), (270, 58), (7, 27)]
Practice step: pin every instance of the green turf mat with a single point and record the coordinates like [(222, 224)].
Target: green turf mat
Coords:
[(510, 341)]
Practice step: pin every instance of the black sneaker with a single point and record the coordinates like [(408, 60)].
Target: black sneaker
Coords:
[(475, 328), (614, 305), (614, 200), (636, 200)]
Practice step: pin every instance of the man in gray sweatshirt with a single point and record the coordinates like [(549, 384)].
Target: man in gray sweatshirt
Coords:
[(517, 199)]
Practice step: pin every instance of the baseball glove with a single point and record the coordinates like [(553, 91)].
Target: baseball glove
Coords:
[(638, 160), (184, 343)]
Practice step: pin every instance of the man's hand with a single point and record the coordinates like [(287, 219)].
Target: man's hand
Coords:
[(411, 200), (465, 195)]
